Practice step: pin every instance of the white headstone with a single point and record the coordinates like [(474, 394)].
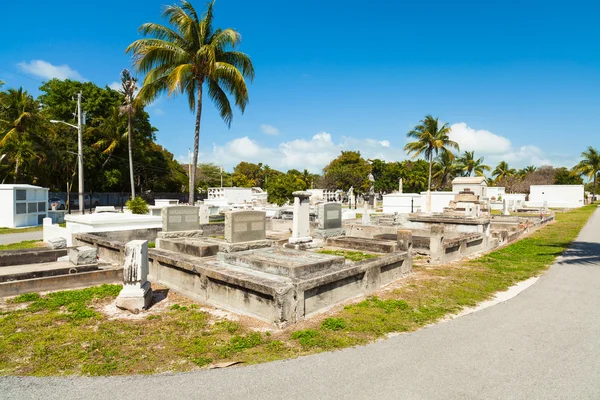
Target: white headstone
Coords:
[(301, 221), (136, 293), (204, 213), (366, 218)]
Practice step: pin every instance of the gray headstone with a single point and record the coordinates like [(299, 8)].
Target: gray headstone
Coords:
[(180, 218), (330, 216), (57, 243), (83, 255), (244, 226)]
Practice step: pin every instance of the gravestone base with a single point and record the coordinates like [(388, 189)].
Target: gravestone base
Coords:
[(133, 298), (180, 234), (327, 233), (313, 244), (226, 247), (298, 240)]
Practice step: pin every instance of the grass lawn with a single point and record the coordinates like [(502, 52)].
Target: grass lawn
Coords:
[(20, 230), (65, 332), (349, 255), (26, 244)]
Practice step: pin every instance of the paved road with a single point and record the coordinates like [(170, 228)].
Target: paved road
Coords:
[(19, 237), (542, 344)]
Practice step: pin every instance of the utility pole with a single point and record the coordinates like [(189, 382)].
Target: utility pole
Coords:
[(80, 154)]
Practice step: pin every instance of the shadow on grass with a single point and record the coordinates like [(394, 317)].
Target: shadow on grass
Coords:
[(581, 253)]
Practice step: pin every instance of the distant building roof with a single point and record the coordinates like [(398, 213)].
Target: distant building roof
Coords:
[(469, 180)]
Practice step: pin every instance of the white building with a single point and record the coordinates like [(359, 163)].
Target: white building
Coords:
[(223, 196), (556, 196), (476, 184), (497, 192), (22, 205), (322, 195)]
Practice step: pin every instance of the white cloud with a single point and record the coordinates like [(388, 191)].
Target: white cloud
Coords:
[(312, 154), (269, 129), (45, 70), (115, 85), (480, 141)]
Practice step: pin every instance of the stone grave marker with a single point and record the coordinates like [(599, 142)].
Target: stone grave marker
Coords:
[(137, 292), (180, 218), (245, 226), (204, 213), (330, 216), (301, 221)]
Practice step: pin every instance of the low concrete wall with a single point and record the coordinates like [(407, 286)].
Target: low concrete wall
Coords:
[(108, 250), (62, 282), (134, 234), (30, 256), (368, 231)]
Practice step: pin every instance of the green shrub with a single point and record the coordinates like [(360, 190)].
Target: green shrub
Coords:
[(137, 206)]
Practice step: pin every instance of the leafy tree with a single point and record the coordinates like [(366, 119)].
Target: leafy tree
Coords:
[(20, 129), (128, 88), (503, 171), (563, 176), (281, 187), (415, 176), (589, 166), (446, 168), (348, 170), (187, 59), (247, 174), (430, 140), (471, 165)]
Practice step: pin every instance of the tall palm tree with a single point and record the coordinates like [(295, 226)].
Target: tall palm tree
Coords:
[(111, 133), (471, 165), (128, 89), (189, 58), (502, 171), (445, 168), (589, 166), (20, 149), (430, 139)]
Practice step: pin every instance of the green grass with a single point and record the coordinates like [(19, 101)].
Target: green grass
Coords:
[(20, 230), (349, 255), (26, 244), (65, 333), (151, 245)]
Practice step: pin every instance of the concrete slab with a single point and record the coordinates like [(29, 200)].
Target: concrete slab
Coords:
[(363, 244), (281, 261)]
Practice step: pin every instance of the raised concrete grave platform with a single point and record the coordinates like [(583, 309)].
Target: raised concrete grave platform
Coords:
[(284, 262), (363, 244)]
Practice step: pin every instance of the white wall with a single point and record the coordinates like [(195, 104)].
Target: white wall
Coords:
[(439, 200), (494, 191), (401, 203), (556, 196)]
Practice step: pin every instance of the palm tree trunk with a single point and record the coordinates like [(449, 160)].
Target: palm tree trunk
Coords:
[(16, 169), (196, 141), (130, 156)]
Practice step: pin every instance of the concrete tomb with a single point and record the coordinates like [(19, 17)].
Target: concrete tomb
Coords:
[(204, 213), (136, 293), (180, 218)]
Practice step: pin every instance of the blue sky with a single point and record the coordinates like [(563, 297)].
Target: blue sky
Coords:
[(518, 81)]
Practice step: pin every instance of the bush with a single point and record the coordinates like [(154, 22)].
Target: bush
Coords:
[(137, 206)]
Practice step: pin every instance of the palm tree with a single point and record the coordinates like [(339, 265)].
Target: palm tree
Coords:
[(20, 150), (589, 166), (1, 83), (188, 58), (19, 115), (128, 88), (445, 168), (20, 125), (429, 138), (503, 171), (470, 164), (111, 133)]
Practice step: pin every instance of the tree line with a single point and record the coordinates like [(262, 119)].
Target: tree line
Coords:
[(34, 151)]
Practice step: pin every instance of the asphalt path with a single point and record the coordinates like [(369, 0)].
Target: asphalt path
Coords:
[(9, 238), (542, 344)]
